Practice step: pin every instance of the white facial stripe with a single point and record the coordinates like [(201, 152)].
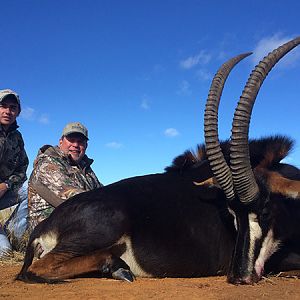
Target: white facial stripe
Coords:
[(128, 257), (255, 234), (269, 246), (234, 216)]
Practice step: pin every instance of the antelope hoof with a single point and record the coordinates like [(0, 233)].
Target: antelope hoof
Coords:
[(123, 274)]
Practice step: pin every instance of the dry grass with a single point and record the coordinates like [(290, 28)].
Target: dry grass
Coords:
[(16, 259)]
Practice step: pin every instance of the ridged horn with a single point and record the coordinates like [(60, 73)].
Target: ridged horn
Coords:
[(213, 150), (242, 174)]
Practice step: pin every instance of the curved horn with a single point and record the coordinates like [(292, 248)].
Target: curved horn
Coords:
[(213, 150), (242, 174)]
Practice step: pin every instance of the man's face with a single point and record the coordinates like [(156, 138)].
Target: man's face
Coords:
[(9, 110), (73, 145)]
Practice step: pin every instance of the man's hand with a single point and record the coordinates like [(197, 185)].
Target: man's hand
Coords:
[(3, 189)]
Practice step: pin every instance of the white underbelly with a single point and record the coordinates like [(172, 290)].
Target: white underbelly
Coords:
[(47, 242), (129, 257)]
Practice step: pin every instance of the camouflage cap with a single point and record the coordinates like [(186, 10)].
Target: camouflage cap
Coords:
[(8, 92), (75, 127)]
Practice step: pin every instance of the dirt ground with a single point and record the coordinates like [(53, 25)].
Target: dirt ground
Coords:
[(167, 288)]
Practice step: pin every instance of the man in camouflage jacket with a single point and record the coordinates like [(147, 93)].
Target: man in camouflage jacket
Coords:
[(59, 173), (13, 160)]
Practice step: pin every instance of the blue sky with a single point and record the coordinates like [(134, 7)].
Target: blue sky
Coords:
[(137, 74)]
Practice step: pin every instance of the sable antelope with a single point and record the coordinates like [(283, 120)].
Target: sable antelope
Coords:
[(225, 209)]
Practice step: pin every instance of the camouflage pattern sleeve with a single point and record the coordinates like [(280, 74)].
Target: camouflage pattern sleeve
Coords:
[(54, 174), (19, 175)]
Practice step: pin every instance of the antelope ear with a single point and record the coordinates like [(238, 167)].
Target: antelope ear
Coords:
[(282, 185), (210, 182)]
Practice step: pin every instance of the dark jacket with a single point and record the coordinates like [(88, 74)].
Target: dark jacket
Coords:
[(13, 158)]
